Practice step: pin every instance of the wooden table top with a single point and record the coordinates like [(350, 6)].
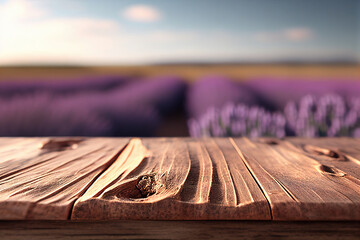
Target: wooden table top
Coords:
[(179, 179)]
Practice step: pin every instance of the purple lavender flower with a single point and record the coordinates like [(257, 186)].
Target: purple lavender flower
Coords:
[(238, 120), (274, 93), (326, 116)]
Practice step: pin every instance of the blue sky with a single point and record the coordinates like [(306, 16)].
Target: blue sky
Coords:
[(140, 32)]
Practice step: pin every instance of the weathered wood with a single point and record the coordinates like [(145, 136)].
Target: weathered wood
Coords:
[(298, 186), (339, 153), (179, 179), (13, 230), (193, 180), (40, 178)]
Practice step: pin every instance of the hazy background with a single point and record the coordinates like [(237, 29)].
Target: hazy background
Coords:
[(252, 41)]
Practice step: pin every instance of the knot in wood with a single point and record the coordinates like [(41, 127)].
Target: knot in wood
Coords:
[(147, 185)]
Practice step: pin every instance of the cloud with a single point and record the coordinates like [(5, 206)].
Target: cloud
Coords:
[(45, 39), (29, 34), (142, 13), (59, 40), (36, 38), (20, 10), (290, 35), (298, 34)]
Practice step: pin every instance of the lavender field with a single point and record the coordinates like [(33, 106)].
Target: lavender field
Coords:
[(212, 105)]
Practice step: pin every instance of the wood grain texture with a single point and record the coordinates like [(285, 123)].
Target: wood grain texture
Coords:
[(299, 186), (179, 179), (14, 230), (338, 153), (40, 178), (194, 179)]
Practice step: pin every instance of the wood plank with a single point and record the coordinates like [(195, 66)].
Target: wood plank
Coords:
[(187, 179), (298, 186), (13, 230), (339, 153), (179, 179), (40, 178)]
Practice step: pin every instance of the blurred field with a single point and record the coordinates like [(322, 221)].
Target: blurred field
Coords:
[(189, 72)]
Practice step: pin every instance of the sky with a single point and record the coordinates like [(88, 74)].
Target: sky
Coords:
[(126, 32)]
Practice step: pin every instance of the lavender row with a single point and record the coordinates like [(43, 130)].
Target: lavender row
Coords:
[(238, 120), (135, 109), (274, 93), (327, 116), (216, 91), (270, 93), (165, 93), (39, 115), (16, 88)]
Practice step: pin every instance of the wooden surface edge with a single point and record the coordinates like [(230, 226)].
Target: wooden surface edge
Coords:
[(179, 230)]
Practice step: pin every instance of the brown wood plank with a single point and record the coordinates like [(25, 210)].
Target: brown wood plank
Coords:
[(180, 179), (13, 230), (298, 186), (188, 179), (40, 178), (339, 153)]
